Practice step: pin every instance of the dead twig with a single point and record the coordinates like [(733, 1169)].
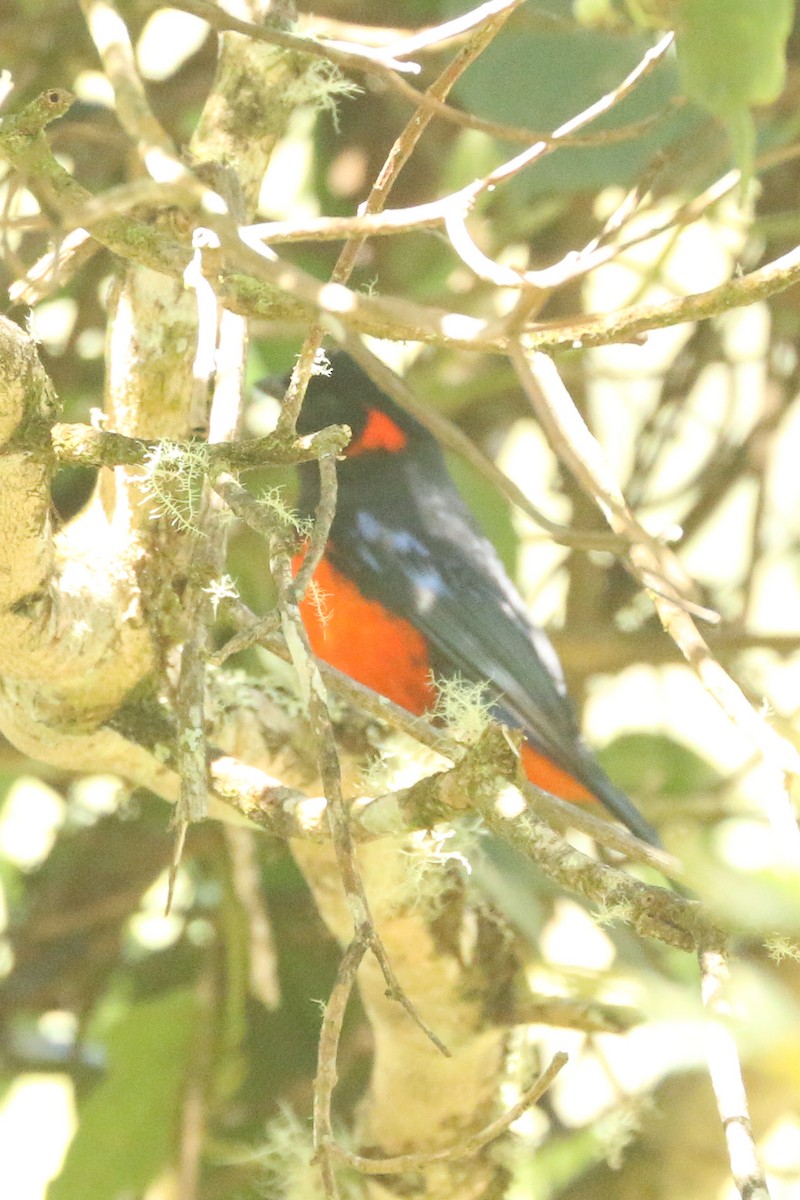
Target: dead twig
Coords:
[(725, 1071), (655, 564)]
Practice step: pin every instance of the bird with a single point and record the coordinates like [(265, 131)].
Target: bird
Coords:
[(413, 592)]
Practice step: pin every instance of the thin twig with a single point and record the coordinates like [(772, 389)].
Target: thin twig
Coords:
[(209, 549), (221, 348), (435, 35), (378, 196), (451, 210), (472, 1144), (111, 37), (353, 57), (450, 435), (323, 519), (315, 699), (297, 640), (455, 221), (653, 912), (327, 1059), (725, 1072), (253, 630), (154, 146), (624, 325), (654, 563), (377, 61), (392, 317)]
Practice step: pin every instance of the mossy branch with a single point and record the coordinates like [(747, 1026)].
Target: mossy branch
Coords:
[(77, 445)]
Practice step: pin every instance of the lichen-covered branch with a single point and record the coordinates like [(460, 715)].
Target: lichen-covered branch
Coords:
[(73, 640)]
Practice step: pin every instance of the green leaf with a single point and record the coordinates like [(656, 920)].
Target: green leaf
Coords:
[(731, 56), (652, 763), (543, 76), (128, 1124)]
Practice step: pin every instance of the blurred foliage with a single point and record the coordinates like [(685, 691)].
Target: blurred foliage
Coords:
[(519, 80), (160, 1013), (148, 1049), (731, 58)]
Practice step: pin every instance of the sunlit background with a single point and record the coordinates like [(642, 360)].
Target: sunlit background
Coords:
[(668, 412)]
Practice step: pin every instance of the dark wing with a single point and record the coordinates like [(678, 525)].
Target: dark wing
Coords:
[(448, 581), (473, 626)]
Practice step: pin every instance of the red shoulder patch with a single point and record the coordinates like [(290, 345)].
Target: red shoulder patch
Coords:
[(368, 642), (380, 433)]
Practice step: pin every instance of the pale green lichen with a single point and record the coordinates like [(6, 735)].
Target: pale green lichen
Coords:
[(174, 476), (287, 1160), (320, 86), (273, 500), (779, 947), (464, 708)]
